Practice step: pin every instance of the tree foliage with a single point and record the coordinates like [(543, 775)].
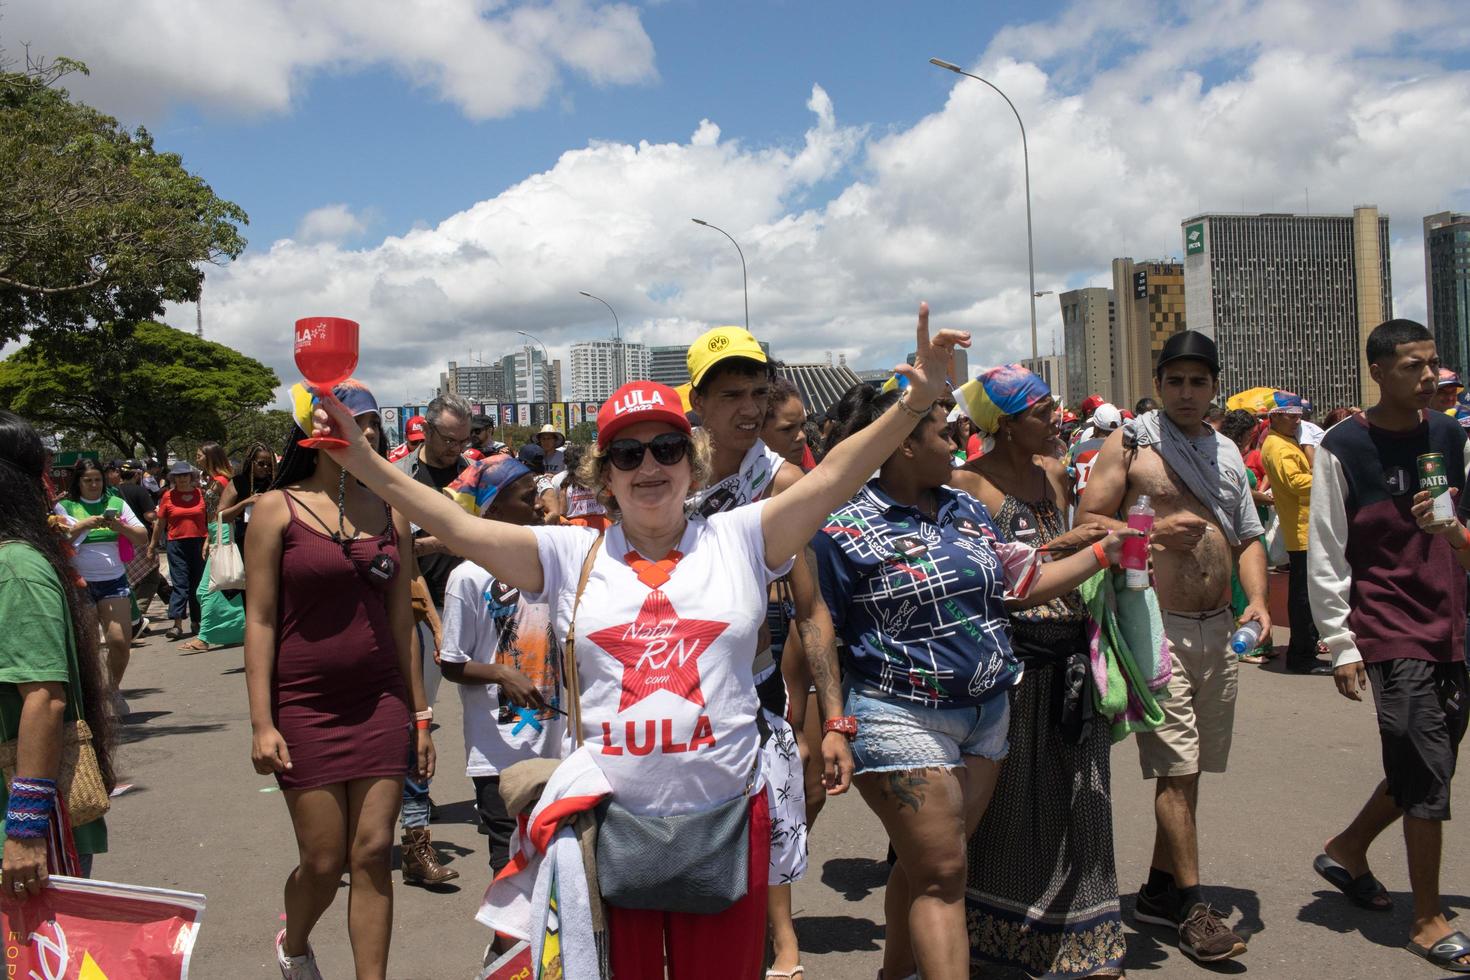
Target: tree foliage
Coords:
[(96, 225), (144, 386)]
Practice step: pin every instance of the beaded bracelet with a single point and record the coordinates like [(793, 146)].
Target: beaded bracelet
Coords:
[(28, 812), (914, 413)]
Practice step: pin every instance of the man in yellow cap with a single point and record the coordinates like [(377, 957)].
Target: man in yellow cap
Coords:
[(730, 381)]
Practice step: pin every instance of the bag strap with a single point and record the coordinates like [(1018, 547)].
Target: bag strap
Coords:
[(569, 655)]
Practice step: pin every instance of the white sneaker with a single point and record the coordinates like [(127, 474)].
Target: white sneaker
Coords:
[(296, 967)]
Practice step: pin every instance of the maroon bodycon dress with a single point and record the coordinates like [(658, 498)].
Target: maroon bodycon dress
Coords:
[(337, 696)]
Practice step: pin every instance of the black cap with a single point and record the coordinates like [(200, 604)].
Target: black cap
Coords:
[(1190, 345), (479, 421)]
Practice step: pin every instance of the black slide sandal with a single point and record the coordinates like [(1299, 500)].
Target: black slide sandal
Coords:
[(1361, 891), (1444, 953)]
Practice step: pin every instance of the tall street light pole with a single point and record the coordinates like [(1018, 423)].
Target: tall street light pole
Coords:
[(545, 366), (618, 367), (1026, 162), (744, 278)]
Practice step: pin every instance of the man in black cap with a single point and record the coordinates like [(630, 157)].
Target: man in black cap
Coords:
[(482, 431), (1205, 524)]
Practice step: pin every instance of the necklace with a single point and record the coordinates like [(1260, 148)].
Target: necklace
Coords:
[(340, 535)]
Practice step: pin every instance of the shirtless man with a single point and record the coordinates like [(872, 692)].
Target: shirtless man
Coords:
[(1197, 484), (730, 380)]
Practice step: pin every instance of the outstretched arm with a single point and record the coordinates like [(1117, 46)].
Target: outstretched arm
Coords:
[(791, 519), (507, 551)]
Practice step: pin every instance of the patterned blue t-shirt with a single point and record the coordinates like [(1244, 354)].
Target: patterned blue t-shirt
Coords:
[(920, 603)]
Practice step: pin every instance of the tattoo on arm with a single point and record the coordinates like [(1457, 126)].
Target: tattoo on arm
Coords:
[(905, 787), (821, 653)]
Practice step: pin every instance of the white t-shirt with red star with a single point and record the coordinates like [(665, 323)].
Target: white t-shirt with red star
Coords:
[(668, 698)]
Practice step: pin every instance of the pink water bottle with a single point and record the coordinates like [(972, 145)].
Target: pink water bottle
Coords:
[(1135, 550)]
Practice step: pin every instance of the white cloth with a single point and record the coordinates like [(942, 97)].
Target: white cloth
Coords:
[(1329, 576), (1310, 434), (487, 622), (786, 794), (555, 462), (100, 561), (750, 482), (667, 688)]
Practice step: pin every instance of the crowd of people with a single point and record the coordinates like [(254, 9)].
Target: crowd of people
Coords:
[(674, 643)]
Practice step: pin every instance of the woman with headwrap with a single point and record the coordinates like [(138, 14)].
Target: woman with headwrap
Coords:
[(1042, 891), (328, 670)]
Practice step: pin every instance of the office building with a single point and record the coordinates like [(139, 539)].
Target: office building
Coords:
[(595, 373), (475, 382), (1088, 321), (1447, 284), (1051, 368), (1290, 299), (1148, 299), (668, 364), (527, 376)]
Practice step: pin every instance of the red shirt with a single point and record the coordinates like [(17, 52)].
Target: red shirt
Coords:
[(1256, 465), (183, 514)]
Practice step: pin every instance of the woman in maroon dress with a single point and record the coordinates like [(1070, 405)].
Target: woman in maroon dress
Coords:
[(332, 697)]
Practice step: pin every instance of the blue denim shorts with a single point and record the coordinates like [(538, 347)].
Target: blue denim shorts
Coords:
[(896, 735), (116, 589)]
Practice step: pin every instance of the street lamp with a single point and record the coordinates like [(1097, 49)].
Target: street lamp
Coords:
[(618, 333), (545, 366), (744, 278), (1026, 162)]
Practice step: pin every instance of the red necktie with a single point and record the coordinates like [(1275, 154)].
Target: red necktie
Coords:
[(653, 574)]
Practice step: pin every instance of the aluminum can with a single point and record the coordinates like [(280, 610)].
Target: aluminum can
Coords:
[(1432, 477)]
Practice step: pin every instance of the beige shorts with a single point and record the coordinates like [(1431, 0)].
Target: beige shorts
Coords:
[(1199, 704)]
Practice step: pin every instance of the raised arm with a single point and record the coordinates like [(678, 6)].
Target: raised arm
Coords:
[(791, 518), (507, 551)]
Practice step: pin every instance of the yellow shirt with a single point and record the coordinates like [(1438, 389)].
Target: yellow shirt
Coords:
[(1291, 486)]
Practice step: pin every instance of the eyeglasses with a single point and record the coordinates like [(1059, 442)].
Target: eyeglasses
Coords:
[(461, 443), (262, 462), (668, 449)]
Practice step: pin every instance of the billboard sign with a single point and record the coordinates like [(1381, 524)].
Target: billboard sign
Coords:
[(1194, 238)]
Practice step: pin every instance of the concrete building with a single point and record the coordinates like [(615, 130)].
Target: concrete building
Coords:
[(1447, 285), (528, 378), (1290, 299), (1088, 320), (476, 382), (668, 364), (594, 368), (1150, 308), (820, 385), (1051, 368)]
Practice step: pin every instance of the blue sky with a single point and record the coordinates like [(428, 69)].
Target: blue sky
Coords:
[(452, 171)]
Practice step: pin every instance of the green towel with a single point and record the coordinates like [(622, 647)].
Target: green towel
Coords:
[(1128, 652)]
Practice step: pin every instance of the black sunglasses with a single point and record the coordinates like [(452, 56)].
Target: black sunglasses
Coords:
[(668, 449)]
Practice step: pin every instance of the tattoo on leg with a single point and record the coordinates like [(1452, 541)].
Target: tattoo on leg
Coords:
[(908, 788)]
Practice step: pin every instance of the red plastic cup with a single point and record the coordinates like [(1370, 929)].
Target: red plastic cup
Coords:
[(326, 355)]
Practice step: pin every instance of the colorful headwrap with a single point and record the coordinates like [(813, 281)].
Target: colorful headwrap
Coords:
[(1462, 416), (475, 489), (352, 393), (1286, 403), (996, 393)]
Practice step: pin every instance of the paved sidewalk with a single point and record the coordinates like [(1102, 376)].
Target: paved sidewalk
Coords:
[(199, 818)]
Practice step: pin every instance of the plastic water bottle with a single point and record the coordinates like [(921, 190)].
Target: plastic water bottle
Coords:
[(1244, 640), (1135, 549)]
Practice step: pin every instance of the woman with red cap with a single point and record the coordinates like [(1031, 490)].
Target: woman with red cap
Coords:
[(664, 610)]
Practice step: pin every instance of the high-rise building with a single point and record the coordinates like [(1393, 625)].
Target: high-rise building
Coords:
[(527, 375), (1051, 368), (594, 368), (1290, 299), (1149, 309), (668, 364), (1447, 283), (1088, 321), (475, 382), (553, 380)]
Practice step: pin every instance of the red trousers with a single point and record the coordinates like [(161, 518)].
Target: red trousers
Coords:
[(729, 945)]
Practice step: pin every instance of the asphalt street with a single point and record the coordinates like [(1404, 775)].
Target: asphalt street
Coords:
[(197, 817)]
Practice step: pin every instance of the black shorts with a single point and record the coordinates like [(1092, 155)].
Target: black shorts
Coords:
[(495, 822), (1423, 708)]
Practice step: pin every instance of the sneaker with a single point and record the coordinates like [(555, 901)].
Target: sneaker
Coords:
[(1205, 937), (142, 628), (296, 967), (1159, 910)]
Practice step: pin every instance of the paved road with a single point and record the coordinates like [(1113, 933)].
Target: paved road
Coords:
[(199, 818)]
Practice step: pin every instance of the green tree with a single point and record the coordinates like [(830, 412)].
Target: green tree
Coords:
[(141, 386), (96, 225), (270, 426)]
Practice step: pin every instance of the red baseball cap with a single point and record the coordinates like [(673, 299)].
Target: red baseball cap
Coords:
[(639, 401), (1090, 404), (413, 429)]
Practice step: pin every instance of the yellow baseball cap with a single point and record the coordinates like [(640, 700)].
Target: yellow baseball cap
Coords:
[(718, 344)]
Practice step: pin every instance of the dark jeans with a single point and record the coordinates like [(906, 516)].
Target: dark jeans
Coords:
[(186, 571), (1302, 652), (495, 822)]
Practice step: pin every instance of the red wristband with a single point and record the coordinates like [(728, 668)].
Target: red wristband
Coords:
[(422, 724), (1102, 555)]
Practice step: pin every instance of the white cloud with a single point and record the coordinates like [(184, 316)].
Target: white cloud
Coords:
[(488, 58), (845, 232), (331, 223)]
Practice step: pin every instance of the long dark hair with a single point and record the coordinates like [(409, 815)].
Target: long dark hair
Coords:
[(245, 479), (23, 511), (79, 469), (216, 460), (860, 407), (298, 463)]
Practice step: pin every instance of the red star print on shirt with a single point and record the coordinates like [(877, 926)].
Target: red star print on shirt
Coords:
[(659, 651)]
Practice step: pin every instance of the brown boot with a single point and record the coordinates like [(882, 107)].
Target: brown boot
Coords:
[(420, 864)]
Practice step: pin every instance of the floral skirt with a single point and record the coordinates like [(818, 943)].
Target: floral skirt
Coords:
[(1041, 891)]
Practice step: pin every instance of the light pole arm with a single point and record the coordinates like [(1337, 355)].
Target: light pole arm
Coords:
[(744, 277)]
